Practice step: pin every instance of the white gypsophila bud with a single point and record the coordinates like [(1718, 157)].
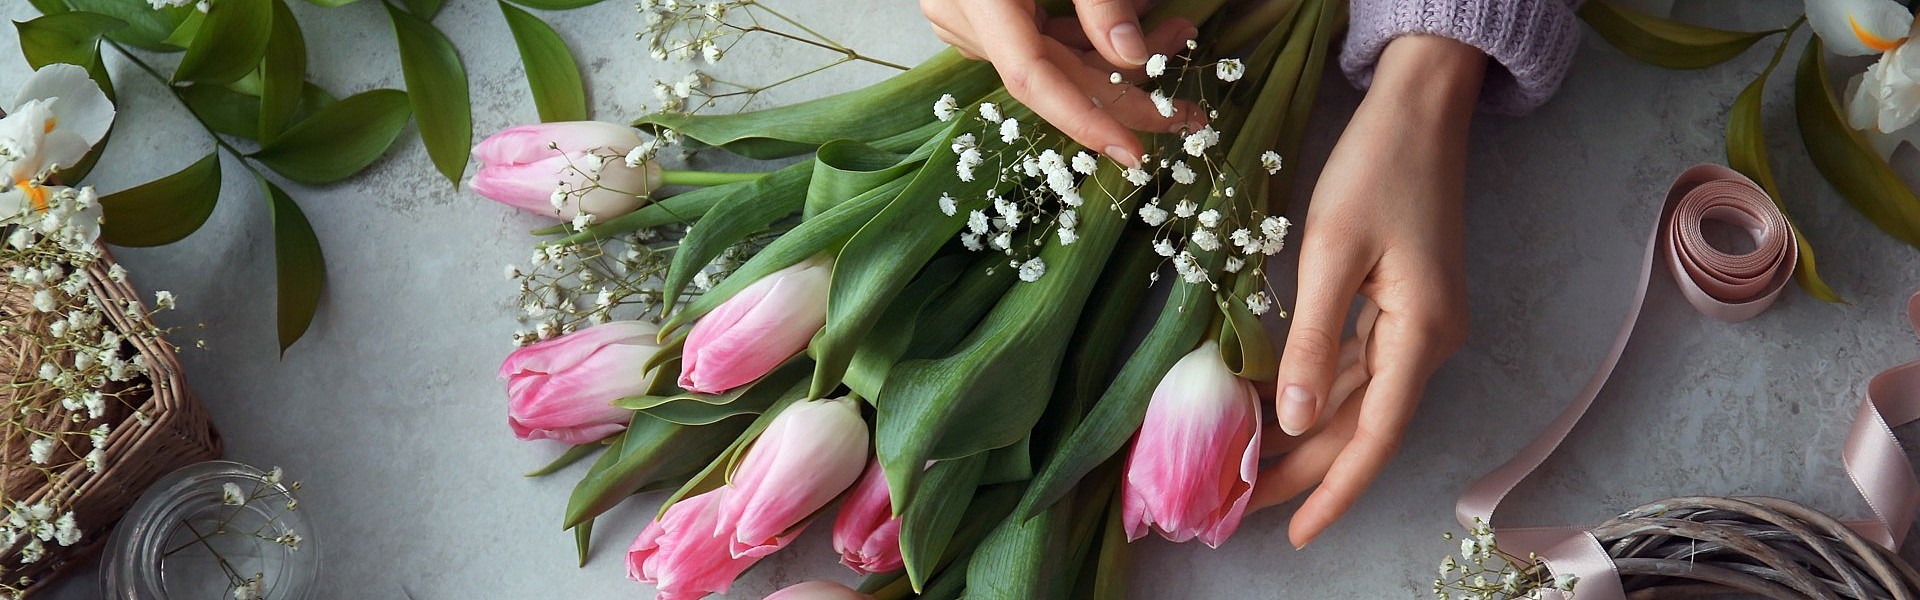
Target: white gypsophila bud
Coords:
[(948, 206), (1114, 78), (1156, 65)]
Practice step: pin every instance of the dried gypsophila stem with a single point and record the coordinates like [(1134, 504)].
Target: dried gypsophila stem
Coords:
[(268, 487), (683, 30), (73, 374), (1485, 572)]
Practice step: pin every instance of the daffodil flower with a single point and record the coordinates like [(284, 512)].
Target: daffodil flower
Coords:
[(1883, 101), (54, 119)]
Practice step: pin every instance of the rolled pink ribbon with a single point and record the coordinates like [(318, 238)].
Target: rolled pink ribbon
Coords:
[(1728, 287)]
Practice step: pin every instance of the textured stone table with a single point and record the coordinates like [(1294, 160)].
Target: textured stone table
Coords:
[(390, 413)]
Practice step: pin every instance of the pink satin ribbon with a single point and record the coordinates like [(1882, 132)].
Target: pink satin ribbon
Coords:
[(1727, 287)]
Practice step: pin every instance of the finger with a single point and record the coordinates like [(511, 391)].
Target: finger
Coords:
[(955, 41), (1021, 55), (1129, 105), (1114, 28), (1384, 412), (1068, 31), (1330, 273), (1307, 464)]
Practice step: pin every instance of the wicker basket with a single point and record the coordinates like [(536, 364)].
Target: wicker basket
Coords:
[(175, 433), (1697, 547)]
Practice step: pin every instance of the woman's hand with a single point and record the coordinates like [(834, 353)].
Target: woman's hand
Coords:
[(1385, 224), (1062, 69)]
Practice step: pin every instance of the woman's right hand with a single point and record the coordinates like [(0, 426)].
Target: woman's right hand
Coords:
[(1061, 68)]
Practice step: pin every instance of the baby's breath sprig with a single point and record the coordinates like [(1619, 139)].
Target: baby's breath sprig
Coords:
[(684, 29), (567, 287), (74, 372), (268, 489), (1484, 572)]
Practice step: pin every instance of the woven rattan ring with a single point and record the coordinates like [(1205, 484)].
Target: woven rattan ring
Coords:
[(1698, 547)]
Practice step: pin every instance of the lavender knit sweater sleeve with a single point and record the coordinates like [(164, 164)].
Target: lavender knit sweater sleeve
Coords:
[(1533, 40)]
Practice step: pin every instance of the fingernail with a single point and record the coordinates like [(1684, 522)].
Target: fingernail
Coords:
[(1122, 156), (1127, 41), (1189, 34), (1296, 410)]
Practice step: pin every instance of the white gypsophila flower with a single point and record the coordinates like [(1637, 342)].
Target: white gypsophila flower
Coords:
[(1161, 103), (1229, 69), (1198, 142), (1188, 268), (1152, 214), (163, 300), (96, 404), (1205, 239), (98, 435), (969, 160), (945, 107), (231, 495), (1182, 174), (963, 142), (1210, 218), (1234, 264), (247, 590), (274, 475), (1156, 65), (1270, 160), (1137, 176), (702, 281), (1274, 226), (1084, 163), (1258, 304), (511, 272), (1565, 582), (990, 112), (1033, 269), (1185, 209), (948, 206), (977, 221), (1164, 247), (44, 301), (1244, 240), (582, 221), (66, 531), (1009, 130), (710, 51), (117, 273), (559, 197), (1069, 219), (1003, 241), (40, 451), (1067, 236), (971, 241), (32, 552)]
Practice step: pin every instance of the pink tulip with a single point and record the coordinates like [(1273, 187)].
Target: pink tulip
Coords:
[(758, 328), (866, 534), (563, 388), (1194, 461), (680, 554), (818, 590), (809, 454), (524, 166)]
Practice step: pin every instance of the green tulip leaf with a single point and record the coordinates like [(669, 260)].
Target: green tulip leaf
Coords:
[(568, 458), (1747, 153), (703, 409), (1018, 560), (1665, 42), (165, 210), (650, 451), (299, 268), (1244, 343), (890, 340), (720, 470), (843, 169), (223, 110), (437, 87), (864, 115), (748, 207), (229, 45), (339, 140), (928, 523), (147, 28), (582, 539), (551, 71), (1845, 157), (1113, 566), (283, 74)]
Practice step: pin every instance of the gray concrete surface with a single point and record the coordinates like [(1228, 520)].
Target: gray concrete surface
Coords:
[(389, 412)]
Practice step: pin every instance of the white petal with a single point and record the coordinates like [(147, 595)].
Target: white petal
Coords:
[(1863, 108), (77, 101), (1859, 27)]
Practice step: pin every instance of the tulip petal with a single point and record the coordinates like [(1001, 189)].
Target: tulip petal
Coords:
[(866, 534), (565, 351), (538, 142), (809, 454), (760, 327), (1192, 466), (1859, 27), (679, 555), (818, 590), (529, 186)]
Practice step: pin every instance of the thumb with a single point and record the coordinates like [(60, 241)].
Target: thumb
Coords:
[(1114, 28)]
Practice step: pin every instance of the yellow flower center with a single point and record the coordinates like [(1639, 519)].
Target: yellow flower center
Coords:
[(51, 122), (1872, 41), (35, 193)]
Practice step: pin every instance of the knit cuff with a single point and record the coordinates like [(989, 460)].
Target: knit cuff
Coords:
[(1533, 40)]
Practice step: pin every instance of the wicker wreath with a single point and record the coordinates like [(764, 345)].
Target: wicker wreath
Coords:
[(1695, 547), (176, 433)]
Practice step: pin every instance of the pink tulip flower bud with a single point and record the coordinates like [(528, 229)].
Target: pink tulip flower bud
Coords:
[(1194, 461), (807, 456), (564, 169), (818, 590), (563, 388), (760, 327), (866, 534), (680, 554)]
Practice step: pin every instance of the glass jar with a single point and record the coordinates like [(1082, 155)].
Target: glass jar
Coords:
[(216, 529)]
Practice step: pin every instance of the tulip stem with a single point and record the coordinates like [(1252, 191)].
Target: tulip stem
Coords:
[(705, 178)]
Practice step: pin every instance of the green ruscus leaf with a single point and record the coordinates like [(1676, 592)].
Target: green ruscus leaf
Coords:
[(1747, 153), (71, 37), (551, 70), (147, 28), (556, 4), (229, 45), (339, 140), (164, 210), (299, 268), (1846, 158), (1665, 42), (283, 73), (437, 87)]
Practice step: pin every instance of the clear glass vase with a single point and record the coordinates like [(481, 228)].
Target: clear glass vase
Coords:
[(213, 530)]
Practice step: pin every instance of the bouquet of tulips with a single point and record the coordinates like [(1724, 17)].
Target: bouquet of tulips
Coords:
[(926, 319)]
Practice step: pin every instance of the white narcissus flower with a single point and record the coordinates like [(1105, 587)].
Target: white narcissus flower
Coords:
[(55, 118), (1883, 101)]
